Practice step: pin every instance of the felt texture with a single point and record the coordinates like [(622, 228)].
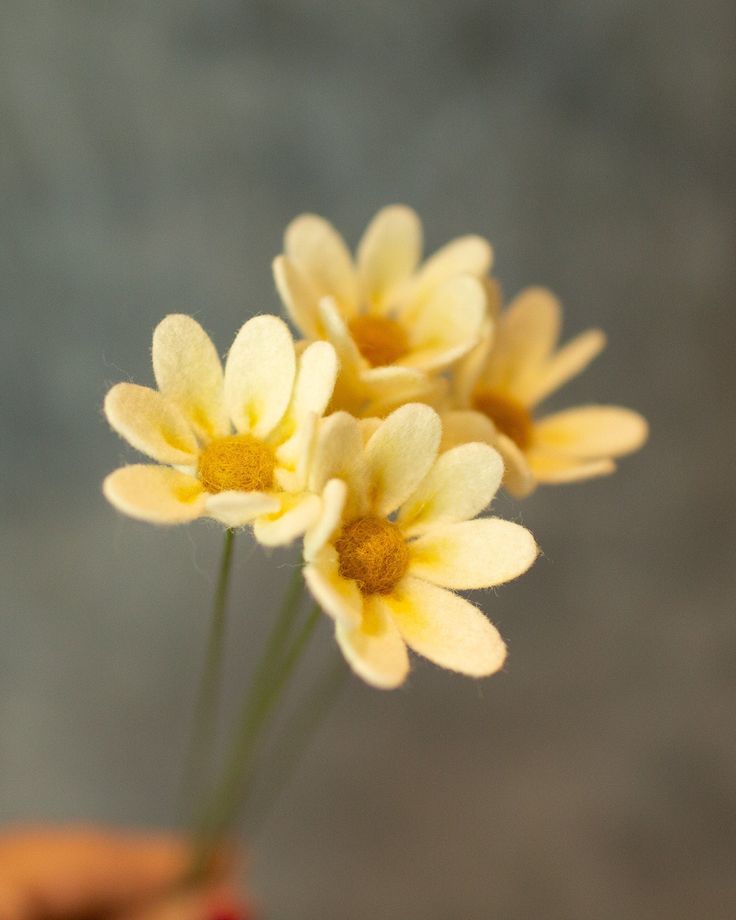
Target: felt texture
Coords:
[(332, 507), (296, 515), (236, 509), (321, 253), (375, 649), (151, 424), (339, 598), (372, 552), (387, 255), (298, 296), (157, 494), (379, 339), (189, 374), (236, 463)]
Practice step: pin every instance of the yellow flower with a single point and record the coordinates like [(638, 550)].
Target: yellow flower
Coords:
[(498, 387), (236, 445), (396, 531), (394, 325)]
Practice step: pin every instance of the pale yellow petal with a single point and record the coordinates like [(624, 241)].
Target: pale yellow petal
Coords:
[(339, 597), (339, 454), (151, 423), (552, 467), (388, 254), (448, 326), (333, 500), (467, 255), (320, 252), (400, 454), (295, 516), (459, 486), (591, 432), (462, 426), (315, 380), (394, 383), (188, 372), (472, 554), (566, 363), (259, 375), (156, 494), (298, 296), (337, 332), (518, 476), (236, 509), (468, 371), (374, 649), (445, 628)]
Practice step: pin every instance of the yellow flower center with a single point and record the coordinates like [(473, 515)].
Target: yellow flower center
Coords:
[(373, 553), (379, 339), (239, 463), (508, 415)]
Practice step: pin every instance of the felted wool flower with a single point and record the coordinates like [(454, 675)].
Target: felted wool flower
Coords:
[(394, 324), (234, 446), (498, 387), (396, 532)]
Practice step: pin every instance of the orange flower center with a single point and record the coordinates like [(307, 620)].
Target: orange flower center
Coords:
[(372, 551), (239, 463), (508, 415), (379, 339)]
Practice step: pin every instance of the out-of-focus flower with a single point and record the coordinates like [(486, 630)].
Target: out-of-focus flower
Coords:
[(396, 532), (499, 385), (394, 324), (234, 446)]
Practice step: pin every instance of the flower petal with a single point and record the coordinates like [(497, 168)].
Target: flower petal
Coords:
[(446, 629), (333, 499), (156, 494), (189, 373), (468, 372), (295, 516), (339, 454), (388, 253), (459, 486), (298, 296), (259, 375), (337, 332), (315, 380), (151, 423), (518, 477), (461, 426), (568, 362), (236, 509), (320, 252), (400, 454), (467, 255), (551, 467), (590, 432), (339, 597), (449, 325), (375, 649), (472, 554)]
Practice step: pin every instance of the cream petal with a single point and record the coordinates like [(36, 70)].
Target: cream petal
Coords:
[(553, 467), (388, 254), (298, 296), (315, 380), (320, 252), (394, 383), (462, 426), (518, 478), (339, 454), (468, 371), (339, 597), (189, 374), (375, 649), (400, 454), (467, 255), (431, 390), (568, 362), (459, 486), (526, 333), (236, 509), (472, 554), (333, 499), (337, 332), (592, 432), (151, 423), (294, 456), (295, 516), (449, 324), (446, 629), (259, 375), (156, 494)]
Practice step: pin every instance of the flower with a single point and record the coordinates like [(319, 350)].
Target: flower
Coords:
[(499, 385), (393, 325), (396, 531), (233, 446)]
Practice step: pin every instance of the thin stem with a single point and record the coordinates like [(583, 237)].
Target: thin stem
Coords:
[(298, 733), (205, 714)]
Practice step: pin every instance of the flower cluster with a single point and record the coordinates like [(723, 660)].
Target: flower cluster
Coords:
[(379, 439)]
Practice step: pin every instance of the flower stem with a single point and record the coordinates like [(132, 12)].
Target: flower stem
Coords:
[(205, 714)]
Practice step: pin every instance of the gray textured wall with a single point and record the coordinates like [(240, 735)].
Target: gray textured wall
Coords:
[(150, 156)]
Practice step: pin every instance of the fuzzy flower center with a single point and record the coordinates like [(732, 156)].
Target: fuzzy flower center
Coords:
[(379, 339), (372, 552), (239, 463), (508, 415)]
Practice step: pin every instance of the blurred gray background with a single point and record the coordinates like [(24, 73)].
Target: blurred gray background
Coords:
[(151, 155)]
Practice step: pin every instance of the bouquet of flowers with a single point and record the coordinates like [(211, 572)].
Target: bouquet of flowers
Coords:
[(378, 441)]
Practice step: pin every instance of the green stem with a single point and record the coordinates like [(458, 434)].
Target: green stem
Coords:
[(205, 714)]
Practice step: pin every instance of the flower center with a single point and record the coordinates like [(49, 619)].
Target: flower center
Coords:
[(508, 415), (379, 339), (373, 553), (239, 463)]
